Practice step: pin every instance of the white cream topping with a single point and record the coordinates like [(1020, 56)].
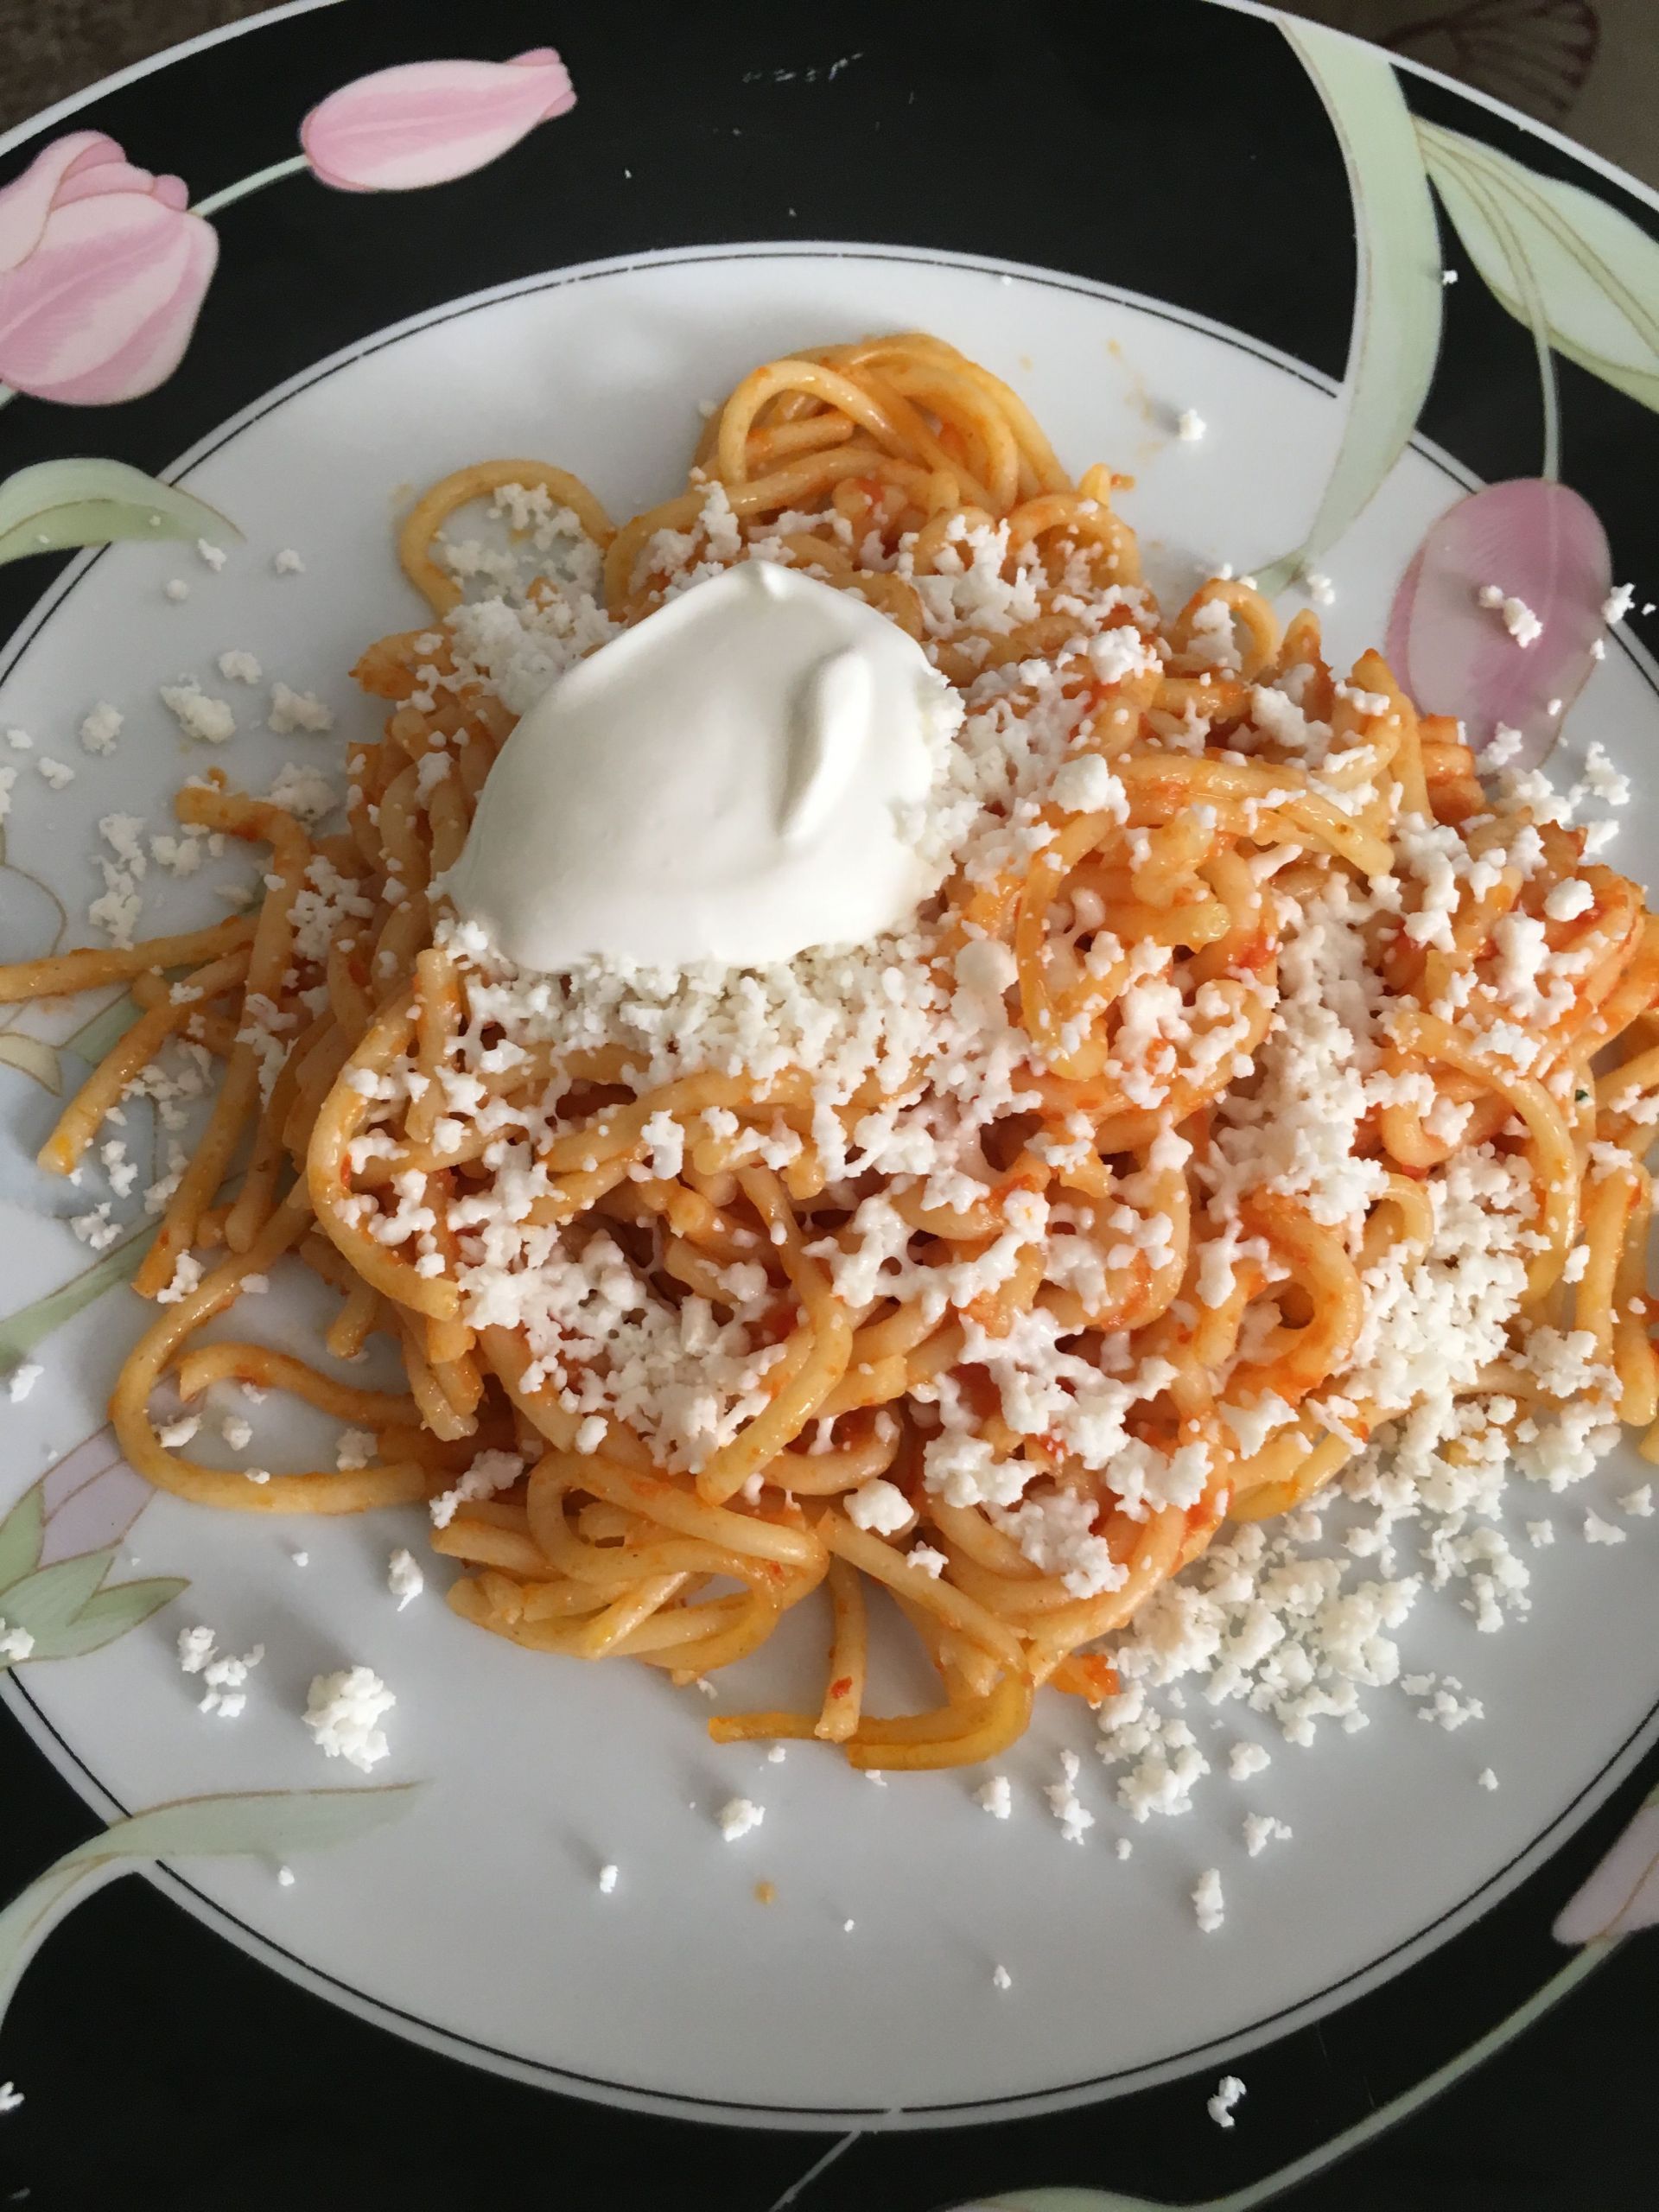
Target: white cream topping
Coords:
[(726, 781)]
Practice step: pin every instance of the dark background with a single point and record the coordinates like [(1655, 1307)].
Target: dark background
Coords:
[(1569, 62)]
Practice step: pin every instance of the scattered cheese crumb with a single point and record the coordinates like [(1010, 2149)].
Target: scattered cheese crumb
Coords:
[(223, 1679), (23, 1379), (10, 2096), (1207, 1903), (776, 1755), (1618, 602), (173, 1436), (1246, 1759), (404, 1577), (996, 1796), (489, 1472), (176, 588), (238, 667), (292, 711), (738, 1815), (342, 1711), (1602, 779), (1261, 1829), (1448, 275), (1190, 427), (214, 556), (1486, 1778), (56, 772), (197, 714), (1068, 1809), (289, 563), (1503, 745), (1639, 1502), (285, 1876), (1598, 1531), (1519, 619), (606, 1879), (878, 1506), (101, 727), (1569, 898), (1228, 2090), (1001, 1978), (15, 1643), (1123, 1847), (187, 1272)]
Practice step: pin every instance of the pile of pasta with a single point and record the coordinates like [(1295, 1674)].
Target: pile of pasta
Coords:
[(844, 455)]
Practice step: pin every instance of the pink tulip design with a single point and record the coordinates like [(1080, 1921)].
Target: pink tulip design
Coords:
[(427, 122), (1538, 542), (102, 274)]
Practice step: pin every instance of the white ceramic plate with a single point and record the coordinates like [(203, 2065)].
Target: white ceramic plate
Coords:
[(476, 1924)]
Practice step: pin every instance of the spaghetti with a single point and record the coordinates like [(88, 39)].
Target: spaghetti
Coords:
[(994, 1267)]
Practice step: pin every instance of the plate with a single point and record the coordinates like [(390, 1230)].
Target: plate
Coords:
[(574, 291)]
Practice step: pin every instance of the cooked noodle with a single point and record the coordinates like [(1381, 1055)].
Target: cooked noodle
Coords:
[(1121, 1302)]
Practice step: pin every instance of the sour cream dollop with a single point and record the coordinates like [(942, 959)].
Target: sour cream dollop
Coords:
[(735, 779)]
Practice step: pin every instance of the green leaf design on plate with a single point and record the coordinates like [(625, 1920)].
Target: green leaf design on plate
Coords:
[(1397, 303), (1596, 273), (108, 1614), (88, 502), (266, 1824), (1074, 2200), (34, 1058), (261, 1824), (1477, 212), (94, 1038), (1273, 2187), (20, 1534), (45, 1601), (21, 1331)]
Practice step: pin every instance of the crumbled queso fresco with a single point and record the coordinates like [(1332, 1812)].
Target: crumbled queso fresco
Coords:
[(1296, 1621), (343, 1712)]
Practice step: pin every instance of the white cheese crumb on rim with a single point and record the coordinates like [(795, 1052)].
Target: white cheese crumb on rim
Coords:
[(1228, 2090), (22, 1380)]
